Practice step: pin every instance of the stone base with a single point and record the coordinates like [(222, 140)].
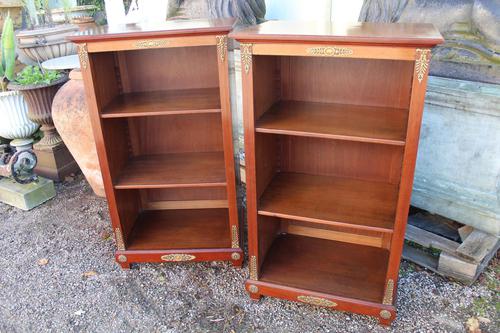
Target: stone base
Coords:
[(26, 196), (54, 162)]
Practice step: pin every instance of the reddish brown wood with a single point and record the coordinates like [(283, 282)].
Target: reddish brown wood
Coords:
[(180, 229), (336, 121), (173, 170), (337, 268), (161, 29), (162, 121), (366, 33), (165, 102), (332, 115), (331, 200)]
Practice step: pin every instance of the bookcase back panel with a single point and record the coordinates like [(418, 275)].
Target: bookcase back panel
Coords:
[(208, 193), (325, 157), (347, 81), (268, 229), (266, 83), (169, 68), (129, 206), (176, 134), (106, 79), (341, 158), (115, 133), (337, 233)]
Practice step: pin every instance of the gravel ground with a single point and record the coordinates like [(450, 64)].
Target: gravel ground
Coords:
[(59, 275)]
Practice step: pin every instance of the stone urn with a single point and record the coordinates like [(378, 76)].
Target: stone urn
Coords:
[(39, 99), (71, 118), (15, 123), (46, 43)]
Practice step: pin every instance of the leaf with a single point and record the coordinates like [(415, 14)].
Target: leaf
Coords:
[(43, 261), (473, 325), (89, 274), (8, 49)]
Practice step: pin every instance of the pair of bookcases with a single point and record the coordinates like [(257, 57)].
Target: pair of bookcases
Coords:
[(332, 118)]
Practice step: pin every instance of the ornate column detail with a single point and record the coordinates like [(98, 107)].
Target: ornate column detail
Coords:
[(83, 55), (221, 46), (178, 257), (389, 291), (422, 59), (120, 244), (316, 301), (253, 268), (246, 56), (235, 243)]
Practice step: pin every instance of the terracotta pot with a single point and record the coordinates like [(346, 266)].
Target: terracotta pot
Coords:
[(15, 123), (39, 99), (71, 118), (42, 44)]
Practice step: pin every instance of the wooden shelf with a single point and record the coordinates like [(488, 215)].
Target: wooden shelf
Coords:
[(336, 121), (350, 202), (180, 229), (336, 268), (173, 171), (166, 102)]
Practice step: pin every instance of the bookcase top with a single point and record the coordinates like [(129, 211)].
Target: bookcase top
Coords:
[(355, 33), (150, 30)]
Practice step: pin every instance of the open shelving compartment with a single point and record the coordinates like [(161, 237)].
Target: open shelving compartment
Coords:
[(331, 134), (328, 157), (165, 123)]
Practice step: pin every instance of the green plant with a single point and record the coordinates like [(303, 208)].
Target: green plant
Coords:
[(8, 53), (34, 75), (66, 7)]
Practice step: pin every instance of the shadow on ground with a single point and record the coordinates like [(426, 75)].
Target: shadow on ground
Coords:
[(58, 274)]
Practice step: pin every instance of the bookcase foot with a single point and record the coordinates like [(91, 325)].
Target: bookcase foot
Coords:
[(237, 263), (385, 322), (386, 318)]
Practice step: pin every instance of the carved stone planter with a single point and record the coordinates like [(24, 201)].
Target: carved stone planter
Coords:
[(71, 118), (39, 99), (54, 160), (15, 123), (42, 44)]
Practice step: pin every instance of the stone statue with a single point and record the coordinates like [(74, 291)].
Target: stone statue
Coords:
[(471, 29), (245, 11)]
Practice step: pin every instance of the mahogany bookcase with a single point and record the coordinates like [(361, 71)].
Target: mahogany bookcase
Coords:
[(332, 118), (158, 97)]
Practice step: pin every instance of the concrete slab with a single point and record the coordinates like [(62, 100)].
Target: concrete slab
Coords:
[(26, 196)]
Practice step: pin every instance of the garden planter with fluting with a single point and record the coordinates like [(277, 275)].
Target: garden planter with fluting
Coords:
[(54, 159), (15, 123), (39, 99), (42, 44), (71, 118)]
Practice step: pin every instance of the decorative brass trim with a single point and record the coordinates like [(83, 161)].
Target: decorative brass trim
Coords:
[(330, 51), (389, 289), (178, 257), (316, 301), (385, 314), (120, 244), (253, 268), (83, 55), (150, 43), (235, 242), (246, 56), (235, 256), (221, 46), (422, 59), (122, 258), (253, 288)]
